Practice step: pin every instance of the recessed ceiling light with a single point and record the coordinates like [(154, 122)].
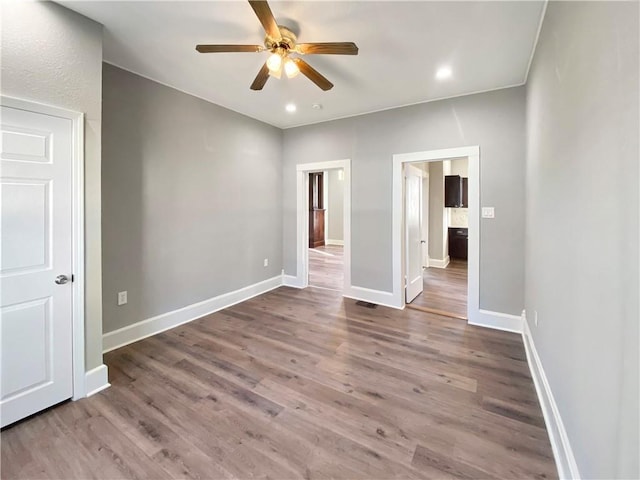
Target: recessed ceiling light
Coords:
[(443, 72), (316, 106), (291, 107)]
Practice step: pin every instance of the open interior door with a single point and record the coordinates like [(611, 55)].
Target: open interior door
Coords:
[(35, 263), (413, 231)]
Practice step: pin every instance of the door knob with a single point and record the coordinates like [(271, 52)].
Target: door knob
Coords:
[(61, 279), (423, 241)]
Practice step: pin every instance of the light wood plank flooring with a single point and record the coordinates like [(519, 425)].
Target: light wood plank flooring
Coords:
[(445, 289), (326, 267), (299, 384)]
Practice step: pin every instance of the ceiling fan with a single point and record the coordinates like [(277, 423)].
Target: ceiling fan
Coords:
[(281, 42)]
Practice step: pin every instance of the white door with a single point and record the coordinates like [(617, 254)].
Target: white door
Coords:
[(413, 231), (36, 252)]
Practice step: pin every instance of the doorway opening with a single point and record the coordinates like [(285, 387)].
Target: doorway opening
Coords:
[(326, 229), (324, 225), (436, 238), (436, 207)]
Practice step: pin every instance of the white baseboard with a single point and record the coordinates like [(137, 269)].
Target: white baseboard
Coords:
[(334, 242), (496, 320), (562, 451), (146, 328), (292, 281), (372, 296), (434, 262), (96, 380)]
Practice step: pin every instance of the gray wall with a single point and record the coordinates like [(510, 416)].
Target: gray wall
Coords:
[(582, 226), (495, 121), (438, 247), (191, 199), (335, 205), (52, 55)]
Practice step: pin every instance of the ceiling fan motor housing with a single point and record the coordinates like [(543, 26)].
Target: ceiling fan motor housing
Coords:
[(287, 42)]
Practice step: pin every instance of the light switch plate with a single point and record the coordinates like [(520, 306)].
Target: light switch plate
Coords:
[(488, 212)]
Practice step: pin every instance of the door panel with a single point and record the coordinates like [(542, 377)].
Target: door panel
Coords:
[(413, 231), (25, 144), (26, 324), (25, 239), (36, 246)]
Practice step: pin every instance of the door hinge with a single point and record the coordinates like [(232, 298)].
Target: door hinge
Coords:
[(73, 277)]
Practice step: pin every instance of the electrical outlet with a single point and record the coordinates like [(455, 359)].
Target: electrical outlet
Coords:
[(122, 298), (488, 212), (266, 262)]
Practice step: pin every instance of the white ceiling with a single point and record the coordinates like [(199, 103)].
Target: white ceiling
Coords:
[(488, 45)]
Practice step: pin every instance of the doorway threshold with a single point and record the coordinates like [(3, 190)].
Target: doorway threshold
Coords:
[(435, 311)]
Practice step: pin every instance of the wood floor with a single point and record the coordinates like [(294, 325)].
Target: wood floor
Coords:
[(445, 289), (299, 384), (326, 266)]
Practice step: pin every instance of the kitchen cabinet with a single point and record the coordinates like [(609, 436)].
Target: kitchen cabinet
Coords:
[(458, 242), (456, 191), (316, 210), (465, 192)]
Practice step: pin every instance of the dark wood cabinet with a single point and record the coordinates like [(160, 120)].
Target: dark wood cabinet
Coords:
[(316, 228), (316, 210), (456, 191), (458, 242), (465, 192)]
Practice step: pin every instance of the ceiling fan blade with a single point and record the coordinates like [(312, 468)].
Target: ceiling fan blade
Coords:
[(261, 78), (266, 18), (228, 48), (330, 48), (313, 75)]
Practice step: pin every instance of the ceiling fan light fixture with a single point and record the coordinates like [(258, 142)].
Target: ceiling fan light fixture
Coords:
[(274, 62), (276, 73), (280, 41), (290, 68)]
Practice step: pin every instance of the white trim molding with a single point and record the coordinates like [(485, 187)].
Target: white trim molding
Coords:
[(434, 262), (562, 451), (97, 380), (372, 296), (497, 321), (302, 220), (291, 281), (329, 241), (160, 323), (77, 234)]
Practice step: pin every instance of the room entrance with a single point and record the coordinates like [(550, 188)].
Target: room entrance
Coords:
[(436, 234), (436, 238), (324, 225), (326, 229)]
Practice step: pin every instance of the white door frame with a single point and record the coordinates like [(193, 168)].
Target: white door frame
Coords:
[(302, 228), (78, 287), (473, 281), (425, 211)]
